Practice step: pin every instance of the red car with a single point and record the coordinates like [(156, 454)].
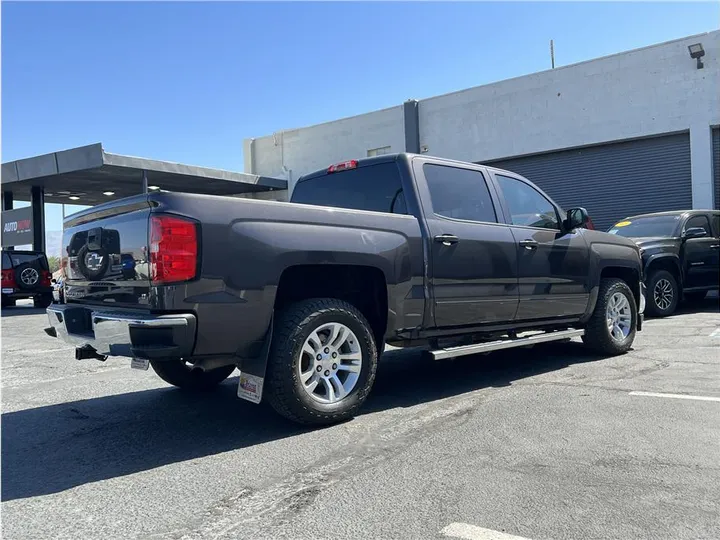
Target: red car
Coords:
[(26, 274)]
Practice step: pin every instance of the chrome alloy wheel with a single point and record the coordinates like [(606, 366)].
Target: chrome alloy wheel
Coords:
[(330, 363), (619, 316), (663, 294), (29, 276)]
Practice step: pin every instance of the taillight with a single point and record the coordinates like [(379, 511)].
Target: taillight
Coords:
[(173, 249), (590, 225), (8, 278), (352, 164), (45, 278)]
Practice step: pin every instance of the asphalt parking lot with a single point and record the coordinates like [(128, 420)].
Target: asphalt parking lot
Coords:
[(544, 443)]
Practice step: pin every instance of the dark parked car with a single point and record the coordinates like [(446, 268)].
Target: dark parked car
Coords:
[(302, 296), (680, 252), (26, 274)]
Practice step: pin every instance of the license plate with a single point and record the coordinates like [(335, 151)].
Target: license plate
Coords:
[(8, 291), (138, 363)]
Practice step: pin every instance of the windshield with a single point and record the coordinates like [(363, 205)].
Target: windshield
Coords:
[(646, 226), (34, 259)]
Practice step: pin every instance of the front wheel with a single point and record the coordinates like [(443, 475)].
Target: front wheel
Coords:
[(179, 373), (612, 327), (322, 361)]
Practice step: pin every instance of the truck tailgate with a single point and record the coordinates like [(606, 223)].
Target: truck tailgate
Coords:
[(105, 254)]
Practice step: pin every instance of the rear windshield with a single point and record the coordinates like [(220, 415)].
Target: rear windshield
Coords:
[(376, 188), (646, 226), (37, 260), (6, 263)]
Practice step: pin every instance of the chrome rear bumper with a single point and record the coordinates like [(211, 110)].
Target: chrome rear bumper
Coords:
[(123, 333)]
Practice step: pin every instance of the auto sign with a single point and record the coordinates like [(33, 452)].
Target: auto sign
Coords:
[(17, 227)]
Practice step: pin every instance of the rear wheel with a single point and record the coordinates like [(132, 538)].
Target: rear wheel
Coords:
[(663, 294), (322, 361), (43, 301), (612, 327), (183, 375)]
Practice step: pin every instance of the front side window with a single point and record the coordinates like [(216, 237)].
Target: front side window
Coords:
[(527, 206), (716, 224), (699, 221), (459, 193)]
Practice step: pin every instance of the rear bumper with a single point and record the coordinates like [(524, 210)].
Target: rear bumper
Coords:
[(123, 333), (20, 293)]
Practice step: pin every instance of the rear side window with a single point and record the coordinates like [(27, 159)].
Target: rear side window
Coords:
[(376, 188), (699, 221), (6, 263), (459, 193)]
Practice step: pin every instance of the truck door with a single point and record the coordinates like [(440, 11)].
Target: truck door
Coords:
[(473, 257), (700, 257), (553, 264)]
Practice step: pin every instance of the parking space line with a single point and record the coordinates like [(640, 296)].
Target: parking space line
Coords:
[(472, 532), (715, 333), (675, 396)]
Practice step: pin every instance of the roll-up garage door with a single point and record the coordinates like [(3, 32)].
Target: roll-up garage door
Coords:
[(716, 164), (613, 180)]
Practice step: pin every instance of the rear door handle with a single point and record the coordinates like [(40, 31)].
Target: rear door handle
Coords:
[(447, 239), (529, 244), (715, 246)]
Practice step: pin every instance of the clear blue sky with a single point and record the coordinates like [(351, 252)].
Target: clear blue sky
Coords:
[(188, 82)]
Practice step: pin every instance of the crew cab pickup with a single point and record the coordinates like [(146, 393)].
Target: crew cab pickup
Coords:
[(302, 296)]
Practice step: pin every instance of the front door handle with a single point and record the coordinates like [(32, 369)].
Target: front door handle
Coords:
[(529, 244), (447, 239), (715, 246)]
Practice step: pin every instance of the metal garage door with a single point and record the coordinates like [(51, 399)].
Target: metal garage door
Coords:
[(716, 164), (614, 180)]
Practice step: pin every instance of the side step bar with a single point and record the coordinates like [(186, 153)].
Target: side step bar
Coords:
[(509, 343)]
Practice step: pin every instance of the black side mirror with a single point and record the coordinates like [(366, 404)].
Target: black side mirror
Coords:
[(576, 218), (694, 232)]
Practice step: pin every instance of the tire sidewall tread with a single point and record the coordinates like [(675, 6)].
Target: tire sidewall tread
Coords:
[(597, 335)]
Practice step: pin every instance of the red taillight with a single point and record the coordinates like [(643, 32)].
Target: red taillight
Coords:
[(590, 225), (8, 279), (173, 249), (45, 278), (352, 164)]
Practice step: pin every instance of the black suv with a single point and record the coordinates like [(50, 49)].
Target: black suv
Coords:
[(26, 274), (680, 252)]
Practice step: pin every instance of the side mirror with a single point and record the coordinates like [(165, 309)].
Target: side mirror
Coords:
[(694, 232), (576, 218)]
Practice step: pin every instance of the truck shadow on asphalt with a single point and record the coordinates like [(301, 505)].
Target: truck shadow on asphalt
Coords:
[(50, 449)]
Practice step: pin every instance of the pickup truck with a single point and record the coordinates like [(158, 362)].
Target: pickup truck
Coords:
[(302, 296)]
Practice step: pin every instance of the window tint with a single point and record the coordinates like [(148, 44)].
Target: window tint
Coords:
[(36, 260), (376, 188), (6, 263), (459, 193), (699, 221), (716, 224), (527, 206)]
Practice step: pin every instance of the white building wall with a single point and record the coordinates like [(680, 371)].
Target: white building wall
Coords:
[(291, 153), (639, 93)]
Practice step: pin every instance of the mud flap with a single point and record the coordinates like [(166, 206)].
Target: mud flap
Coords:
[(252, 371)]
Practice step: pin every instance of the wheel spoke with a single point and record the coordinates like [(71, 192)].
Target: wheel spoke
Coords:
[(310, 387), (338, 387), (339, 336), (307, 348), (330, 391), (314, 341), (352, 368), (350, 356), (305, 376)]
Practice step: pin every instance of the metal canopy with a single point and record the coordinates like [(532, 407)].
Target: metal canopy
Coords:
[(88, 172)]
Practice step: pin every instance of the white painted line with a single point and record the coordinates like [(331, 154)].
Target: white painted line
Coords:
[(715, 334), (471, 532), (675, 396)]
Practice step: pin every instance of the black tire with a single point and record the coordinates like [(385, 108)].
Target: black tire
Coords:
[(653, 308), (597, 335), (8, 302), (43, 301), (178, 373), (292, 327), (695, 297)]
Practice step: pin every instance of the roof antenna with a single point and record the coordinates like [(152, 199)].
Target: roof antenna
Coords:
[(552, 54)]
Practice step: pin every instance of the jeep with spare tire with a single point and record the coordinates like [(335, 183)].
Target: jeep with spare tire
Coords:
[(302, 296), (26, 274)]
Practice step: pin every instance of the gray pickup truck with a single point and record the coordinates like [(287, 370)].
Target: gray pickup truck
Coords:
[(301, 297)]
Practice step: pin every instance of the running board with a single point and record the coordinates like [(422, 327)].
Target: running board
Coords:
[(509, 343)]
